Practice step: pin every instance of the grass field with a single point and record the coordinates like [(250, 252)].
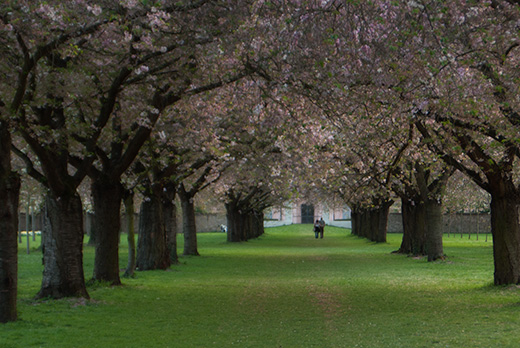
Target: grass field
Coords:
[(285, 289)]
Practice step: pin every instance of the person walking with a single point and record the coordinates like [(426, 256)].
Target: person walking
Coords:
[(317, 229), (322, 227)]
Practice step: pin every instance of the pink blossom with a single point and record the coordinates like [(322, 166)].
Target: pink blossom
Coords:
[(96, 10), (142, 69), (129, 3)]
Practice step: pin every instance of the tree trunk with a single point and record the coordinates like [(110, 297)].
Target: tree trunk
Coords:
[(408, 217), (235, 223), (62, 244), (243, 226), (232, 235), (107, 198), (414, 227), (258, 224), (506, 238), (248, 226), (419, 229), (170, 221), (434, 247), (382, 221), (9, 191), (130, 211), (92, 233), (189, 228), (355, 218), (152, 247), (364, 223), (431, 190), (371, 222)]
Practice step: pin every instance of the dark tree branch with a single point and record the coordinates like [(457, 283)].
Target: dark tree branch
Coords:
[(448, 159), (29, 166)]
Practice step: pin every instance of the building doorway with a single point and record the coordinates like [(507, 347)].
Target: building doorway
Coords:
[(307, 211)]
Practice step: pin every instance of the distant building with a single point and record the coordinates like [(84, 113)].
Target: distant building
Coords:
[(307, 213)]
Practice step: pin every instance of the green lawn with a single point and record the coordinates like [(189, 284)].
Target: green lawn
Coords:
[(285, 289)]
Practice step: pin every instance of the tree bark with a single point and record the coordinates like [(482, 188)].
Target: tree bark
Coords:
[(92, 233), (248, 225), (189, 228), (365, 226), (9, 191), (419, 229), (62, 243), (130, 211), (421, 206), (355, 218), (431, 190), (257, 224), (408, 219), (371, 222), (107, 198), (382, 221), (506, 237), (243, 221), (235, 223), (434, 246), (152, 247), (422, 229), (170, 220)]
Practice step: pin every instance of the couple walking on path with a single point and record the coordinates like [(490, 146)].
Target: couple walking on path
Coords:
[(319, 227)]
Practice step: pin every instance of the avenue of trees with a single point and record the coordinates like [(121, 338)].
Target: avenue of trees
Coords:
[(260, 101)]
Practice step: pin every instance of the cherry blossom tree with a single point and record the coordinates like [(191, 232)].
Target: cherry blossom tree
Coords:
[(467, 110), (38, 41), (203, 56), (335, 55), (84, 85), (268, 152), (163, 166), (9, 190), (91, 70), (421, 191)]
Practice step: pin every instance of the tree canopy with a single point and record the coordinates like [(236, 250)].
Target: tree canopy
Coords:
[(264, 100)]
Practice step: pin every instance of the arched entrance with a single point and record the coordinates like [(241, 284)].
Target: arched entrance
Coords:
[(307, 211)]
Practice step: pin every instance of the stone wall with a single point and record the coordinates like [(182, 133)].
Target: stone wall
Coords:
[(453, 223), (204, 222)]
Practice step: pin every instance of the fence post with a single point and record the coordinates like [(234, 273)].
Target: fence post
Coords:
[(33, 225), (27, 216)]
